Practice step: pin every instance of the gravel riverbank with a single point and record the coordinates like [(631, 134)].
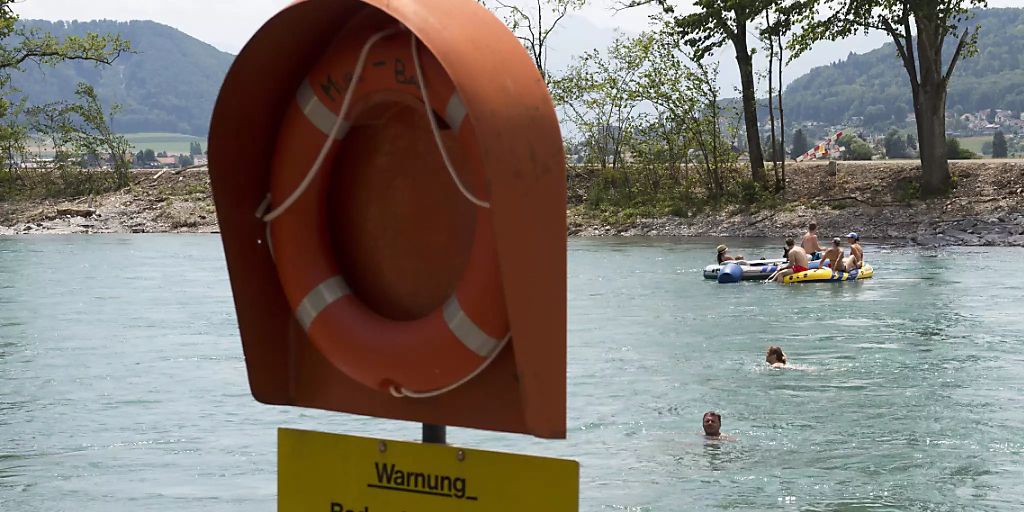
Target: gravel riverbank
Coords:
[(986, 208)]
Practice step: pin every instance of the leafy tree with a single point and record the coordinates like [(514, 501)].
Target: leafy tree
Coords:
[(686, 99), (185, 160), (94, 137), (855, 148), (990, 116), (714, 24), (20, 45), (600, 94), (911, 142), (13, 135), (999, 149), (918, 28), (149, 156), (800, 144), (895, 145), (534, 24)]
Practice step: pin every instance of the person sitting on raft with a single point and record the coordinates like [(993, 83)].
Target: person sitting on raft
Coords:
[(856, 258), (775, 357), (833, 256), (723, 257), (810, 242), (798, 261)]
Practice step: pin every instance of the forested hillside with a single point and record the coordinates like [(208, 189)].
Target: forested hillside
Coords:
[(169, 85), (875, 86)]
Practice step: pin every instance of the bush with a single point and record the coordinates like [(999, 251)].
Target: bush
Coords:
[(955, 152), (855, 148)]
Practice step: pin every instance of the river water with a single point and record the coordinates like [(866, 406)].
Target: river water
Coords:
[(122, 383)]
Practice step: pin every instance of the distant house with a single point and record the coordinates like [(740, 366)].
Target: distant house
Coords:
[(169, 161), (200, 159)]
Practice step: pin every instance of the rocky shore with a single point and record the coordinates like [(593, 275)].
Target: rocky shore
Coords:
[(871, 198), (156, 202)]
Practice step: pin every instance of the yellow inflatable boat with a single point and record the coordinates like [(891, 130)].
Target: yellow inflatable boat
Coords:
[(826, 275)]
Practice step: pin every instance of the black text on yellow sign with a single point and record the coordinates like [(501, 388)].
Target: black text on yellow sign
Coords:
[(336, 473)]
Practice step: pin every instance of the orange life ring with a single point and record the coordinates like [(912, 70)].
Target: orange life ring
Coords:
[(423, 355)]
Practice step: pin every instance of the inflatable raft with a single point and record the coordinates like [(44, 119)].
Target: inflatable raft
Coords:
[(827, 275), (751, 270), (747, 271)]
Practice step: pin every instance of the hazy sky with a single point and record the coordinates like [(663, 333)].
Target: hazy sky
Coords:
[(228, 24)]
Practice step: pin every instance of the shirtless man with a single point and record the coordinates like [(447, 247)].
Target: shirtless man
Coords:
[(834, 255), (856, 258), (712, 424), (810, 240), (798, 261)]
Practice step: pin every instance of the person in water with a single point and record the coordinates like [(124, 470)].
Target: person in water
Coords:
[(833, 256), (798, 261), (712, 424), (810, 242), (856, 258), (775, 357), (724, 257)]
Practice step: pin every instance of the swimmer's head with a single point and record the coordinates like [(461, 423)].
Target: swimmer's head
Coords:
[(712, 423), (790, 242), (775, 355)]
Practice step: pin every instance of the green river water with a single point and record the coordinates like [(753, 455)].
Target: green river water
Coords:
[(123, 387)]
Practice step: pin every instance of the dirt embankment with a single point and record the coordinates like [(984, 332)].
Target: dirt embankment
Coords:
[(167, 202), (871, 198)]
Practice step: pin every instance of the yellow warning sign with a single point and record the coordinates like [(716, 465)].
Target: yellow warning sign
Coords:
[(337, 473)]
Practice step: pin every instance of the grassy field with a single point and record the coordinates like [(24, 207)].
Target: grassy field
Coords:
[(974, 143), (172, 143)]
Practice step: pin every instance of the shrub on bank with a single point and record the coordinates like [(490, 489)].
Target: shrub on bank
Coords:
[(61, 183), (636, 191)]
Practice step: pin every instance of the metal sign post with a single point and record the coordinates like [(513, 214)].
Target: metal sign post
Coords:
[(435, 433)]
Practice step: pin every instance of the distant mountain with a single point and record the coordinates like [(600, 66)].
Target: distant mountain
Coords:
[(169, 85), (875, 86)]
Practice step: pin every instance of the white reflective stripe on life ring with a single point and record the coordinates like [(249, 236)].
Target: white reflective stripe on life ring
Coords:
[(318, 113), (332, 289), (466, 330), (323, 118)]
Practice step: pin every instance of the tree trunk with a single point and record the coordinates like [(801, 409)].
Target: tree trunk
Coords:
[(931, 136), (746, 67), (930, 109), (782, 117), (771, 105)]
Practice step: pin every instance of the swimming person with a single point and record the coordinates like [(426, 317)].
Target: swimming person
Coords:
[(723, 257), (712, 424), (810, 242), (834, 255), (775, 357)]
